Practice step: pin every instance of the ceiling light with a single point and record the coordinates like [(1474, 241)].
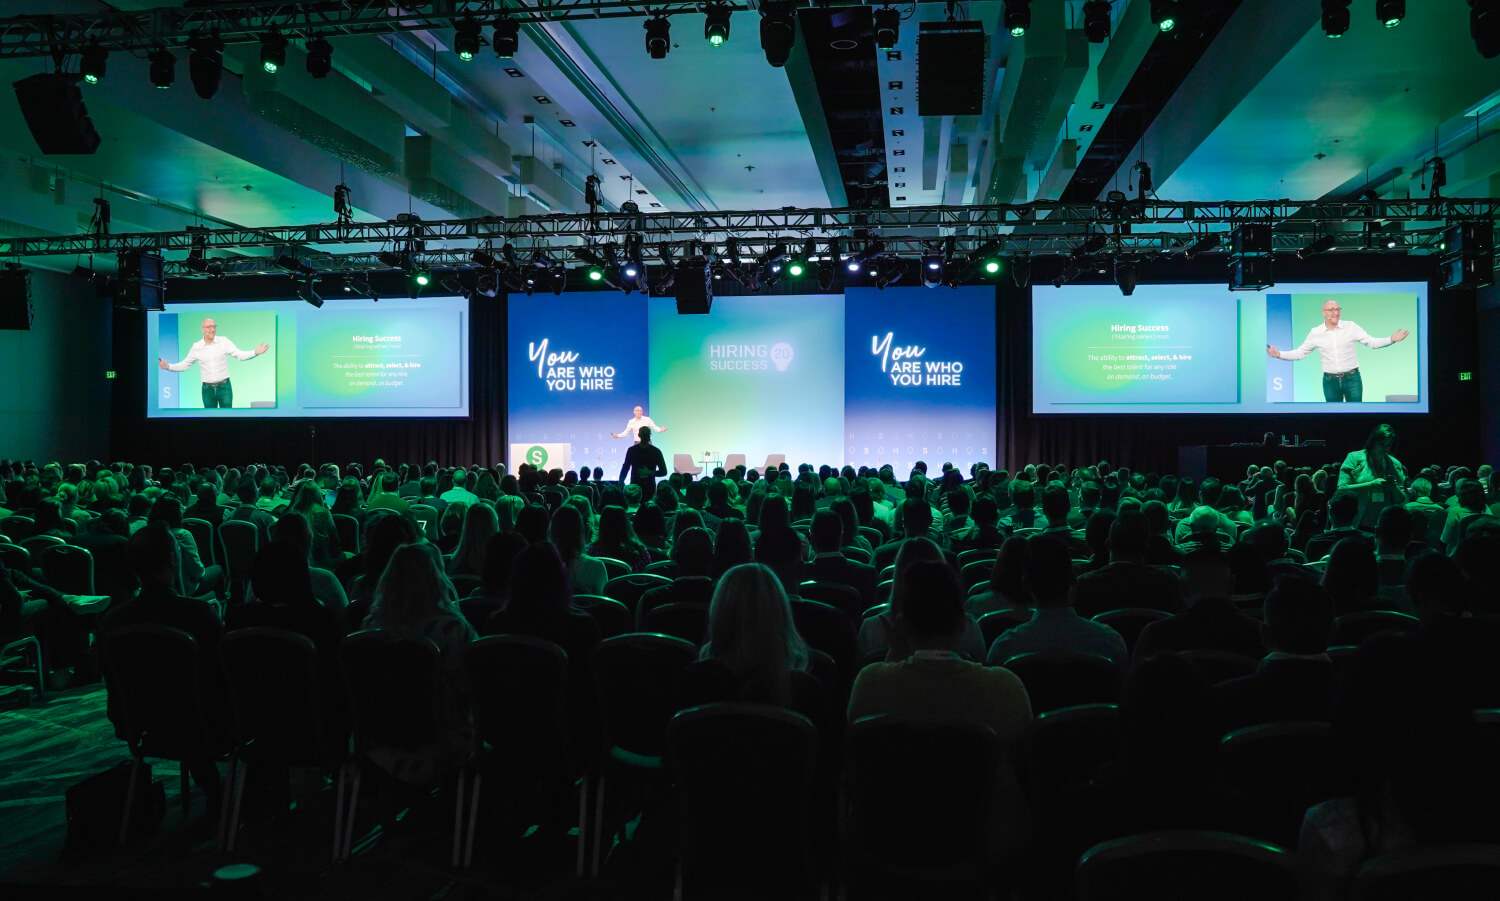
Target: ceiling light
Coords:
[(887, 27), (421, 277), (1125, 276), (1020, 270), (273, 52), (778, 31), (716, 23), (932, 269), (206, 64), (1390, 12), (1202, 245), (1017, 17), (466, 39), (596, 274), (1096, 21), (559, 279), (319, 58), (1164, 14), (1317, 246), (658, 37), (91, 62), (1335, 17), (309, 293), (163, 68), (507, 37), (1484, 27)]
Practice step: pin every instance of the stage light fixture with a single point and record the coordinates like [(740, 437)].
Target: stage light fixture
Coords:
[(932, 269), (1017, 17), (308, 291), (1316, 246), (319, 57), (778, 31), (421, 277), (559, 279), (1484, 27), (1125, 276), (1335, 17), (92, 61), (506, 39), (1164, 14), (484, 258), (1020, 271), (1202, 245), (887, 27), (1390, 12), (1090, 246), (273, 51), (392, 259), (716, 23), (1096, 21), (163, 68), (466, 38), (206, 64), (658, 36)]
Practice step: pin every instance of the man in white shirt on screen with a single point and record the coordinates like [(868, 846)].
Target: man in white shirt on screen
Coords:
[(634, 426), (212, 356), (1334, 340)]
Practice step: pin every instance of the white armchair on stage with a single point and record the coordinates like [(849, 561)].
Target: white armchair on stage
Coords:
[(733, 460), (683, 463), (773, 461)]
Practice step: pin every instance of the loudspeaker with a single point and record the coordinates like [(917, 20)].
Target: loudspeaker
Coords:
[(16, 312), (950, 69), (140, 283), (694, 286), (54, 111)]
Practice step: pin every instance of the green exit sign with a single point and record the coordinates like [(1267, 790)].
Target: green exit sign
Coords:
[(109, 373), (1466, 376)]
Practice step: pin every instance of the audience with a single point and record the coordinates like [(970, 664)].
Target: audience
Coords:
[(1054, 624)]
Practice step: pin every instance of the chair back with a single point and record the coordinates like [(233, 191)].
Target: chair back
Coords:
[(67, 568), (348, 531), (857, 554), (394, 685), (975, 572), (15, 557), (519, 697), (614, 568), (465, 585), (1186, 864), (276, 691), (428, 514), (637, 678), (684, 463), (732, 461), (976, 554), (203, 536), (1068, 746), (18, 527), (773, 461), (1221, 666), (744, 775), (38, 543), (665, 568), (992, 624), (834, 594), (628, 588), (153, 673), (1129, 621), (1353, 628), (686, 621), (936, 816), (1056, 679), (239, 540), (1282, 769), (828, 629), (613, 617), (872, 535), (1443, 871)]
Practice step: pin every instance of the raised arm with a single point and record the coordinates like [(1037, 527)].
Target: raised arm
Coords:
[(1372, 342), (186, 363), (1306, 348), (243, 354)]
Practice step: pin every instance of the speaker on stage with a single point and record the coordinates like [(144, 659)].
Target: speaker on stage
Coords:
[(54, 111), (16, 312)]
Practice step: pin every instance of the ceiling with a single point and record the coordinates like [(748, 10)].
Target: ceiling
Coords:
[(1247, 100)]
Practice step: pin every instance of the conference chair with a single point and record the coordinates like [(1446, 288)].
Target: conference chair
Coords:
[(976, 572), (1281, 769), (1130, 621), (1221, 666), (203, 536), (773, 461), (628, 588), (428, 520), (18, 527), (686, 621), (35, 544), (683, 463), (976, 554), (1178, 865), (992, 624), (614, 568), (834, 594), (1441, 871), (613, 617), (1057, 679), (17, 650), (828, 629), (239, 541), (732, 461), (1352, 628), (1068, 746), (348, 530), (68, 569), (15, 557)]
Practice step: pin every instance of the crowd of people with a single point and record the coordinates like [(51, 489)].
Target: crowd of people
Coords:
[(1268, 569)]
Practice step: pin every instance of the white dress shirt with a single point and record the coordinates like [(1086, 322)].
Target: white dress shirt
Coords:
[(1336, 345), (633, 427), (212, 359)]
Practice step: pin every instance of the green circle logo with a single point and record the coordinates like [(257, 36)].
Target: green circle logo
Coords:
[(537, 456)]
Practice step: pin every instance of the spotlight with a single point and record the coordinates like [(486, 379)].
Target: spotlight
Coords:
[(1484, 27), (1390, 12), (778, 31), (872, 250), (932, 269), (1125, 276), (92, 62), (273, 52), (658, 37), (507, 37), (596, 274), (1202, 245), (319, 58), (292, 264), (1164, 14), (206, 64), (716, 23), (1091, 245), (887, 27), (1020, 271), (1096, 22), (309, 293), (421, 277), (1017, 17), (559, 279), (1317, 246), (163, 68), (466, 39), (392, 259), (1335, 17)]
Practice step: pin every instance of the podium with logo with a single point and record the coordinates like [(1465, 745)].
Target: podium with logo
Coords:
[(542, 455)]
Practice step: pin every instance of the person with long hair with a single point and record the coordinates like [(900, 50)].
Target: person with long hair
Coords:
[(309, 501), (1374, 475), (383, 533), (884, 635), (1352, 578), (1006, 591), (617, 540), (480, 524), (282, 595), (586, 574)]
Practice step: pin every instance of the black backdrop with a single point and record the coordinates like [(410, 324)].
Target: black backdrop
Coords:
[(1449, 434)]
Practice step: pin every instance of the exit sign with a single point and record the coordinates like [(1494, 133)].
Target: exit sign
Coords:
[(1466, 376), (109, 373)]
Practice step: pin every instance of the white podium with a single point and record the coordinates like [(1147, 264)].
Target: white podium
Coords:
[(542, 455)]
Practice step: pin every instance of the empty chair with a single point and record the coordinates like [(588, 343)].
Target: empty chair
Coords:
[(428, 520), (976, 572), (686, 621), (1056, 679), (68, 569), (744, 776), (1352, 628), (1069, 745), (883, 591), (977, 554), (683, 463), (1281, 769), (732, 461), (1129, 621), (613, 617), (1180, 865), (992, 624), (18, 527), (628, 588), (1443, 871), (20, 650)]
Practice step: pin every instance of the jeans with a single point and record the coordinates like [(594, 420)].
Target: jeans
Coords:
[(220, 395), (1345, 386)]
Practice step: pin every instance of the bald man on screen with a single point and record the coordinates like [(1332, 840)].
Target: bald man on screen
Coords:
[(212, 354), (1334, 341)]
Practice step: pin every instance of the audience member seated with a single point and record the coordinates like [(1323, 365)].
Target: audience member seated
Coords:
[(1160, 549), (693, 583), (1211, 621), (616, 540), (195, 579), (732, 548), (1006, 589), (1469, 510), (107, 539), (1408, 750), (1058, 511), (1200, 532), (1466, 649), (830, 565), (1128, 581), (586, 573), (916, 520), (1351, 579), (384, 532), (1295, 681), (308, 501), (480, 524), (206, 506), (1343, 511), (882, 636), (1054, 624)]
